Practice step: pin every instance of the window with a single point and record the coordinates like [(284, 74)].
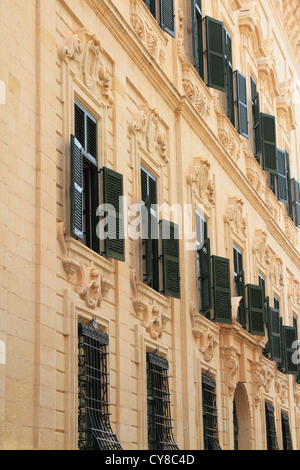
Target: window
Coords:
[(296, 202), (94, 429), (272, 443), (164, 275), (84, 191), (215, 52), (163, 12), (160, 430), (242, 104), (256, 310), (229, 77), (262, 283), (196, 6), (256, 121), (273, 350), (286, 432), (239, 282), (210, 414), (203, 263)]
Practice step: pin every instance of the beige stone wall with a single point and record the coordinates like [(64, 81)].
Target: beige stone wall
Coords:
[(113, 57)]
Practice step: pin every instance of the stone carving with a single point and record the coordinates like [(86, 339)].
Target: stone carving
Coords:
[(156, 321), (268, 376), (70, 266), (261, 249), (276, 271), (255, 175), (258, 382), (291, 230), (203, 336), (199, 179), (281, 391), (294, 291), (85, 49), (235, 216), (92, 286)]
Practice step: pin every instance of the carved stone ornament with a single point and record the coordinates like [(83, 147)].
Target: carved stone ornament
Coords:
[(206, 339), (294, 291), (282, 391), (258, 382), (92, 286), (276, 271), (255, 174), (261, 249), (231, 368), (71, 266), (199, 180), (268, 376), (85, 50), (151, 131), (235, 217)]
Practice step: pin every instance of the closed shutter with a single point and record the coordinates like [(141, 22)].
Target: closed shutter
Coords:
[(296, 202), (112, 192), (171, 259), (274, 330), (76, 188), (242, 314), (282, 176), (289, 337), (286, 432), (222, 290), (241, 86), (215, 45), (272, 441), (256, 310), (206, 277), (167, 20), (269, 148)]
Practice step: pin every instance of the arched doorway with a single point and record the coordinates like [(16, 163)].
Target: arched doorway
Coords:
[(241, 419)]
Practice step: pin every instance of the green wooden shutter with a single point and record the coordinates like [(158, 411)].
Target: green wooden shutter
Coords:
[(171, 259), (257, 126), (296, 202), (282, 176), (76, 188), (195, 33), (215, 45), (229, 78), (269, 148), (274, 331), (241, 86), (167, 19), (242, 314), (256, 310), (114, 245), (289, 337), (206, 278), (222, 290)]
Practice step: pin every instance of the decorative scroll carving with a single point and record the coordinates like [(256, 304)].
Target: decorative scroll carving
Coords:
[(291, 230), (256, 175), (258, 382), (231, 141), (282, 390), (261, 249), (206, 339), (199, 180), (155, 321), (268, 375), (92, 286), (235, 217), (148, 32), (276, 271), (70, 266), (231, 368), (267, 71), (85, 49), (294, 291)]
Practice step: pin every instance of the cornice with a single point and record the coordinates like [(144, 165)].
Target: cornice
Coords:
[(181, 105)]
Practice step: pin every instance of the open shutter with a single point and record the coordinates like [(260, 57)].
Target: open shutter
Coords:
[(256, 126), (282, 176), (112, 192), (274, 335), (242, 314), (296, 202), (256, 310), (196, 33), (76, 188), (222, 290), (269, 148), (206, 278), (229, 84), (289, 184), (167, 20), (215, 45), (171, 259), (241, 86), (289, 337), (148, 244)]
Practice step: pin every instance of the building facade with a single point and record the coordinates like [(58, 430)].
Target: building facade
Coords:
[(181, 117)]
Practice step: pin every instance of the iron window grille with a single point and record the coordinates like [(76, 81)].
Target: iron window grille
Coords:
[(286, 432), (94, 428), (272, 442), (210, 414), (160, 429)]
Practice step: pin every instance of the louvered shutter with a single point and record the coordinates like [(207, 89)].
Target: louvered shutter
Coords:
[(282, 176), (148, 244), (241, 86), (171, 259), (289, 337), (144, 185), (230, 89), (222, 290), (242, 314), (269, 148), (296, 202), (257, 126), (289, 184), (274, 330), (112, 192), (195, 33), (215, 45), (256, 310), (76, 188), (206, 277), (286, 433), (167, 19)]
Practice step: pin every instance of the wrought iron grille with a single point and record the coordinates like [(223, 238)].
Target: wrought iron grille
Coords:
[(94, 428), (286, 432), (210, 414), (271, 428), (160, 430)]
